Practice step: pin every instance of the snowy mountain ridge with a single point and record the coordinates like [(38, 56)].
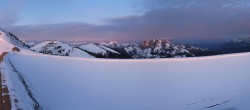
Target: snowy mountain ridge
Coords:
[(36, 81), (147, 49), (86, 50), (157, 48), (60, 49)]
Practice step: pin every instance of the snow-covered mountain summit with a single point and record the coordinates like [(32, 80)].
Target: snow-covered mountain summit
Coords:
[(156, 44), (164, 48), (52, 47)]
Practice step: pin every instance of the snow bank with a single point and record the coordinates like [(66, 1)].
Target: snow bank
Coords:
[(64, 83)]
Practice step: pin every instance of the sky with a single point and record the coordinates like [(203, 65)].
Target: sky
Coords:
[(126, 20)]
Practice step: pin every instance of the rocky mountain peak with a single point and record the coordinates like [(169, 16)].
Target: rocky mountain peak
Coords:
[(155, 43)]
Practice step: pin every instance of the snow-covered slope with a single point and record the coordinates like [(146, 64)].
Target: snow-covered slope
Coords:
[(97, 49), (12, 39), (75, 52), (30, 44), (206, 83), (101, 51), (93, 49), (4, 46)]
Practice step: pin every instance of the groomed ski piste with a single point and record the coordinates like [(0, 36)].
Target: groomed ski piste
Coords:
[(38, 81)]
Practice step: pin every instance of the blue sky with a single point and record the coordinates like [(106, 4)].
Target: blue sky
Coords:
[(63, 11), (126, 20)]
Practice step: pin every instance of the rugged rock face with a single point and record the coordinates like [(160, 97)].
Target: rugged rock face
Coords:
[(163, 49), (165, 44)]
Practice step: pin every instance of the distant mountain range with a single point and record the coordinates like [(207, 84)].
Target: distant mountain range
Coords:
[(147, 49), (154, 48)]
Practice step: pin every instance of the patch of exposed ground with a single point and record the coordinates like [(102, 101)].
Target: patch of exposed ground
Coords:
[(5, 103)]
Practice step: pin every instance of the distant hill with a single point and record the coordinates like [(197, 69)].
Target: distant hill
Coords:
[(236, 45)]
